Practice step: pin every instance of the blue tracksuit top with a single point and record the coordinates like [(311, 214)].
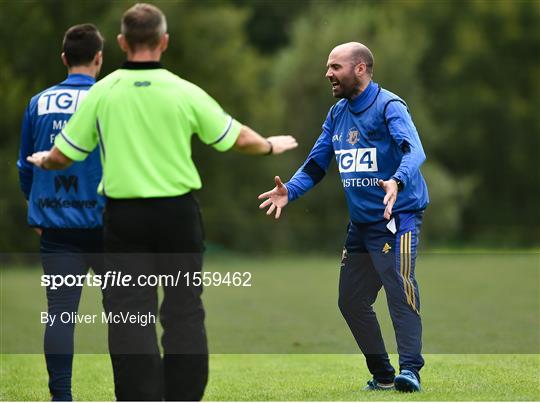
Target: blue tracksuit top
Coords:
[(67, 198), (372, 137)]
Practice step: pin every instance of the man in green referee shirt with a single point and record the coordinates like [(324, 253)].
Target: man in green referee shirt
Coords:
[(143, 117)]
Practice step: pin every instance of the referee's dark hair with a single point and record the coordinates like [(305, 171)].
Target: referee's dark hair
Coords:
[(81, 43), (143, 25)]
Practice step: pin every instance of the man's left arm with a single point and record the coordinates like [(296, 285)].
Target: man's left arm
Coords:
[(26, 171), (403, 131), (53, 159)]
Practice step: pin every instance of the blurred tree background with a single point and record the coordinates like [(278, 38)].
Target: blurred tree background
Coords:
[(470, 72)]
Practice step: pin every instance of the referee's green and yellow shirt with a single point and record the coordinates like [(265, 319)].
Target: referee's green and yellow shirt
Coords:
[(143, 117)]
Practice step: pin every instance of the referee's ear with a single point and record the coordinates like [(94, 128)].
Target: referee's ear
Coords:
[(122, 42), (164, 42)]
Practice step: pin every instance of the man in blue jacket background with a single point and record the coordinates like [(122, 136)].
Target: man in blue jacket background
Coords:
[(378, 152), (63, 206)]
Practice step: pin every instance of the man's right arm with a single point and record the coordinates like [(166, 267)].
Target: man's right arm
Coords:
[(26, 170), (80, 135), (250, 142), (314, 167), (308, 175), (219, 130)]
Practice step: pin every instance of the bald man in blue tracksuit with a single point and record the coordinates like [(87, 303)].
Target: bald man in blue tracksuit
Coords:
[(371, 135)]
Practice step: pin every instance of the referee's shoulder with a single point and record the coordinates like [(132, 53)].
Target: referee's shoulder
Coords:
[(107, 81), (190, 88), (185, 84)]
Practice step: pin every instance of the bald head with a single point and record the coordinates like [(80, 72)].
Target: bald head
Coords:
[(349, 69), (357, 53)]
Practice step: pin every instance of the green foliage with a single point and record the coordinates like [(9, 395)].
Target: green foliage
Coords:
[(447, 199), (482, 70), (269, 21)]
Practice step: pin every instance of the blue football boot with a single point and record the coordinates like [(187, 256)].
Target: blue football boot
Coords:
[(407, 381), (374, 385)]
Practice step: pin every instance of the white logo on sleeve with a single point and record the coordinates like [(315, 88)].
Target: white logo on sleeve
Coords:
[(60, 101), (357, 160)]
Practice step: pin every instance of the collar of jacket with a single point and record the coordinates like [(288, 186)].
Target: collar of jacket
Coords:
[(78, 79), (363, 101), (128, 65)]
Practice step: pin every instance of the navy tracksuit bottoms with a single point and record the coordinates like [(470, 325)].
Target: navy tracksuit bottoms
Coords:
[(374, 257), (66, 252)]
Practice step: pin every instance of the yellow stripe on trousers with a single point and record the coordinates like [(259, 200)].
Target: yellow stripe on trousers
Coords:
[(402, 260), (405, 269), (413, 295)]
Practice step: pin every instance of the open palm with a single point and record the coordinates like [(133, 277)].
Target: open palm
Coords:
[(276, 198)]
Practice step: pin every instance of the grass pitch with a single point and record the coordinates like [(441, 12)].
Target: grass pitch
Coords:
[(283, 338), (299, 377)]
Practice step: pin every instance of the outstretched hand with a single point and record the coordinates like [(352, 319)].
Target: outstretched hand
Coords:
[(52, 159), (38, 158), (391, 189), (280, 144), (276, 198)]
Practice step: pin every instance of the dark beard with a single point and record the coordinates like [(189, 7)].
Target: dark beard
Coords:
[(354, 91)]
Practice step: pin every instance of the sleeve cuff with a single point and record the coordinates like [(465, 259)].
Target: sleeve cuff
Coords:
[(227, 139), (69, 148), (402, 178), (290, 196)]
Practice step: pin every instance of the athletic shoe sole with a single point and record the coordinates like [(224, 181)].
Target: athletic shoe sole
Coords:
[(404, 384)]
